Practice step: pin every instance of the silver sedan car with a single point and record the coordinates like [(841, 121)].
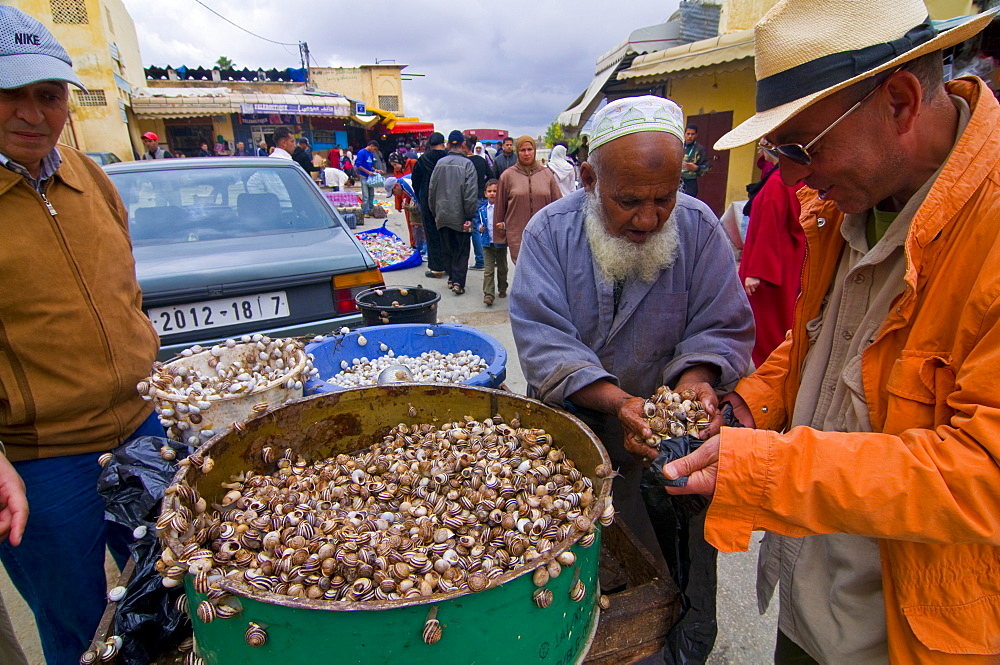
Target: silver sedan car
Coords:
[(228, 246)]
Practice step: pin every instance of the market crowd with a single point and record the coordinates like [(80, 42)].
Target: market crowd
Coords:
[(856, 342)]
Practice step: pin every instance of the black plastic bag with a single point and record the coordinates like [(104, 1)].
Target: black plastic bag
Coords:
[(679, 524), (133, 484), (682, 446)]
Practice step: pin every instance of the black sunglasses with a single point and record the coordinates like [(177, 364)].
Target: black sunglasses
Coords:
[(799, 153)]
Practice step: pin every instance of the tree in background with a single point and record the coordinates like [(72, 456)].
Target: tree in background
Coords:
[(224, 63), (554, 133)]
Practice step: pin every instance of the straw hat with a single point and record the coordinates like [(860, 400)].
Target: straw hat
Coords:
[(806, 50)]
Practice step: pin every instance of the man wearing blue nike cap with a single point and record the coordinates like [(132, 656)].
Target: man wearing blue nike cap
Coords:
[(73, 344)]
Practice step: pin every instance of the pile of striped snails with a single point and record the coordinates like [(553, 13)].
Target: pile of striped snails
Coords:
[(671, 414), (428, 511), (184, 390), (428, 367)]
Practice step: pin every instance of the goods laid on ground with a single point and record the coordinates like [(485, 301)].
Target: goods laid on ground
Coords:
[(389, 250), (204, 391)]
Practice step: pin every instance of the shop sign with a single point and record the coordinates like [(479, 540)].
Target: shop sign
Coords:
[(299, 109), (271, 119)]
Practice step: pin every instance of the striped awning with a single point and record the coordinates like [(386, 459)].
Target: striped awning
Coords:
[(194, 102), (735, 50)]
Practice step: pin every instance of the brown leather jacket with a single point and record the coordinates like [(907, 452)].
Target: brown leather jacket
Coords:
[(73, 339)]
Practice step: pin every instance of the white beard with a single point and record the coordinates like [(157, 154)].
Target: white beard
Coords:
[(622, 259)]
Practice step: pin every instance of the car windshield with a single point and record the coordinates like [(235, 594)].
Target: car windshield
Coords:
[(198, 204)]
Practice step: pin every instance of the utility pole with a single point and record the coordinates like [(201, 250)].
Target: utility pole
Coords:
[(304, 57)]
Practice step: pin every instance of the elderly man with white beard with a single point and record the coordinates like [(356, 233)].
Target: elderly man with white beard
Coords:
[(624, 286)]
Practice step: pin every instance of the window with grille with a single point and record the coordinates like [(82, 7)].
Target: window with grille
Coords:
[(69, 11), (90, 98), (388, 102)]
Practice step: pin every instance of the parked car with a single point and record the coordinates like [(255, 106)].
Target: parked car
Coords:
[(230, 246), (104, 158)]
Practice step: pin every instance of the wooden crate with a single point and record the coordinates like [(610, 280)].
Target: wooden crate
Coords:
[(636, 624)]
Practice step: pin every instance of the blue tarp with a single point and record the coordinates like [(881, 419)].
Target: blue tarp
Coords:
[(412, 261)]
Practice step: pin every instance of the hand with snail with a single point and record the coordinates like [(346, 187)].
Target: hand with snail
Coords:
[(606, 397), (702, 466), (13, 503)]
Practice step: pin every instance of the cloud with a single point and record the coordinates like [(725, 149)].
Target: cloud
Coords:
[(510, 65)]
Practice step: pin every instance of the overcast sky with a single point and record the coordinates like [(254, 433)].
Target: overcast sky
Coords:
[(505, 64)]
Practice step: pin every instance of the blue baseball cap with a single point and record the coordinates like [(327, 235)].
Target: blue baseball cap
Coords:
[(29, 53)]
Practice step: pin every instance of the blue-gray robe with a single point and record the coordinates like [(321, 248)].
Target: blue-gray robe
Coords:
[(568, 336)]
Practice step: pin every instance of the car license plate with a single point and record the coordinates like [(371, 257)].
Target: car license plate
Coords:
[(218, 313)]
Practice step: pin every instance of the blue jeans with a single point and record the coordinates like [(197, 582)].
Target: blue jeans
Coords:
[(367, 196), (59, 566)]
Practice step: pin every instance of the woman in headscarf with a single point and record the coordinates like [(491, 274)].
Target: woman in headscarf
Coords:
[(563, 170), (524, 189)]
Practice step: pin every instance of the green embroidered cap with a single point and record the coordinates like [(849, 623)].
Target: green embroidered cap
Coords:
[(647, 113)]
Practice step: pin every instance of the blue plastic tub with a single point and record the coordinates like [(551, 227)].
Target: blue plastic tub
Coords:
[(407, 339)]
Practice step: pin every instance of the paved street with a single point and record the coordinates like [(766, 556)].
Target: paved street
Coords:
[(744, 636)]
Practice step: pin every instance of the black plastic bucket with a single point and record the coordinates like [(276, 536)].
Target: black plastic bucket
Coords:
[(398, 304)]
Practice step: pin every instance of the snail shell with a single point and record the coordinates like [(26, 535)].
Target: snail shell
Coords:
[(432, 631), (566, 558), (542, 597), (478, 582), (206, 611), (604, 602), (540, 576), (105, 459), (578, 591), (167, 453), (256, 636)]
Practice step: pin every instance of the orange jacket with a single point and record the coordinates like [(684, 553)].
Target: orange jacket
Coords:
[(927, 483)]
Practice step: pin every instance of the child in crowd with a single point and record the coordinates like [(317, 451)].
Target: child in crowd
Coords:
[(494, 254)]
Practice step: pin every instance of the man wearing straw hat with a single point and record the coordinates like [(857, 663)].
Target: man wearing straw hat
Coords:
[(73, 344), (876, 461), (624, 286)]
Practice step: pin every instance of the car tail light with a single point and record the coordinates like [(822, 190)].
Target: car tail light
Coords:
[(347, 286)]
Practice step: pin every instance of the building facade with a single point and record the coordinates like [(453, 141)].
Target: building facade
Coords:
[(100, 37)]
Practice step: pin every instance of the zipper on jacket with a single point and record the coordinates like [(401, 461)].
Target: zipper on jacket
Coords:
[(45, 200), (52, 210)]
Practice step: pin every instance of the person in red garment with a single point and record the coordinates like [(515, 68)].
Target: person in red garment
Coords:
[(773, 252)]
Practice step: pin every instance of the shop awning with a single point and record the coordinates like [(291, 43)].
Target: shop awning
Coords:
[(366, 121), (193, 102), (584, 106), (735, 49), (412, 128)]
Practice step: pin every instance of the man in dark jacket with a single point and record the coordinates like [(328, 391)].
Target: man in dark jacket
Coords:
[(453, 198), (421, 185), (505, 159), (303, 156)]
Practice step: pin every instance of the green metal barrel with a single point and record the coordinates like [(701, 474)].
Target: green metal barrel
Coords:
[(501, 625)]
